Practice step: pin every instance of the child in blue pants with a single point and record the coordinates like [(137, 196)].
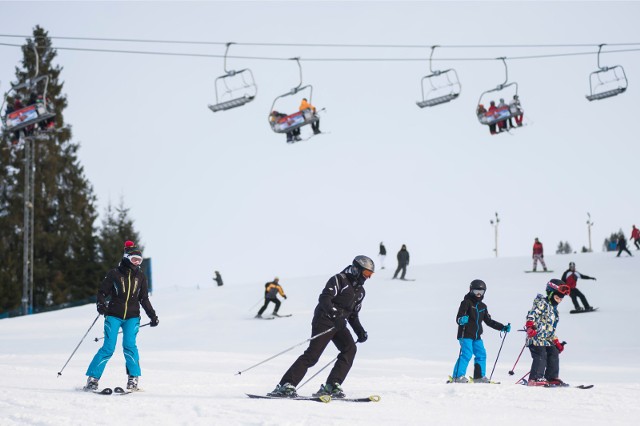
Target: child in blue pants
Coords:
[(471, 314)]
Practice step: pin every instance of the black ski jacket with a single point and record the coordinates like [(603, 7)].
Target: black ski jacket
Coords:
[(478, 313), (345, 293), (126, 288), (403, 257)]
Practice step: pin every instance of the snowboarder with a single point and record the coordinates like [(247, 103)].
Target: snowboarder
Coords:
[(542, 341), (382, 254), (570, 277), (622, 245), (218, 278), (538, 255), (403, 262), (122, 292), (340, 302), (271, 291), (471, 314), (635, 236)]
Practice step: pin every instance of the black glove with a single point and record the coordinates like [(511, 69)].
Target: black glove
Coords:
[(102, 308), (362, 337), (338, 317), (154, 322), (285, 296)]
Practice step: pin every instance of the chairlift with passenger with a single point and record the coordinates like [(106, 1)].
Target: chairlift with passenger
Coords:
[(284, 123), (512, 107), (37, 107), (606, 82), (233, 89), (444, 86)]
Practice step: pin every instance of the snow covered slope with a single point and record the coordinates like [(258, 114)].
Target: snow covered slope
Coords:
[(206, 335)]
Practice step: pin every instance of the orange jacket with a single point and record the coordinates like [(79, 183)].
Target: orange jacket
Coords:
[(306, 105)]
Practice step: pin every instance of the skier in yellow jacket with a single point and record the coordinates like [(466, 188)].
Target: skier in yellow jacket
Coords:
[(271, 290)]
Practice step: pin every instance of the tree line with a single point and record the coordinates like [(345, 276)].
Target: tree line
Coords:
[(71, 251)]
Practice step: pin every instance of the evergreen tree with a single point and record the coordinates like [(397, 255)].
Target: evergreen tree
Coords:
[(117, 227), (66, 264)]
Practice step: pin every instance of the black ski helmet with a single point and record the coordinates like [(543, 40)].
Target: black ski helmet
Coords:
[(558, 287), (478, 285), (572, 265), (363, 262)]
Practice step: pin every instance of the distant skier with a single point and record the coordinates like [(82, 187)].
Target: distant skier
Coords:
[(471, 314), (122, 292), (570, 277), (538, 255), (542, 341), (382, 254), (635, 236), (340, 302), (403, 262), (271, 291), (218, 278), (622, 245)]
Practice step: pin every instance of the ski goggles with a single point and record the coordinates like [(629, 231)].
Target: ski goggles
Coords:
[(562, 288), (478, 292), (136, 260), (367, 273)]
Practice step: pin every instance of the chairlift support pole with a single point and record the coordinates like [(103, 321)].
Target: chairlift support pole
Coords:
[(589, 225), (437, 72), (495, 225)]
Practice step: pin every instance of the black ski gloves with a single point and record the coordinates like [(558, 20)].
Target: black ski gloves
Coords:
[(338, 317), (102, 308), (154, 322), (362, 337)]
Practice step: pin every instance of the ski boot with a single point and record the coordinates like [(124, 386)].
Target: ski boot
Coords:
[(538, 382), (286, 390), (132, 383), (481, 380), (92, 384), (333, 390), (557, 382)]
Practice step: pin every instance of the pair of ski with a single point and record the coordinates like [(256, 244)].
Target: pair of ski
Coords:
[(491, 382), (322, 398), (115, 391), (549, 385), (274, 317)]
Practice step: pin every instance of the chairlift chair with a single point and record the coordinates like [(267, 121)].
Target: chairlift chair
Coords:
[(501, 91), (444, 86), (233, 89), (606, 82), (297, 119), (29, 115)]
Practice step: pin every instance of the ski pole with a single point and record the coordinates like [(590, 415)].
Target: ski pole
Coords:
[(74, 351), (511, 372), (498, 356), (455, 370), (119, 332), (256, 304), (286, 350), (319, 371), (522, 378)]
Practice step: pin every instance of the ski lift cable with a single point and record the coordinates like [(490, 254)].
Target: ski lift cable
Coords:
[(332, 45), (320, 59)]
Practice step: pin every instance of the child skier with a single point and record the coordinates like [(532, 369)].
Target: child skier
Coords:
[(471, 314), (545, 347)]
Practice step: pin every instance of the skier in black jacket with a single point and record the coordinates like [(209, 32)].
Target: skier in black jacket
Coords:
[(340, 302), (121, 293), (403, 262), (471, 314)]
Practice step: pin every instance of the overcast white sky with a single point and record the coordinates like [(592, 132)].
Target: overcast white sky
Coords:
[(221, 191)]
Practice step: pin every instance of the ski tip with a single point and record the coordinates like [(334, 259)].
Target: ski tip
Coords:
[(375, 398), (325, 398)]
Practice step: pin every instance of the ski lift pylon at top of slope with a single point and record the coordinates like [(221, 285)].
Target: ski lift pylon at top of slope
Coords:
[(235, 88), (606, 82), (443, 85), (505, 110), (282, 122), (36, 107)]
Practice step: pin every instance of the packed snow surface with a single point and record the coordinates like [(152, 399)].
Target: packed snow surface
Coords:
[(206, 335)]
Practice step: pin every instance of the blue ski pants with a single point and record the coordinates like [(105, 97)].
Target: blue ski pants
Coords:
[(470, 347), (129, 333)]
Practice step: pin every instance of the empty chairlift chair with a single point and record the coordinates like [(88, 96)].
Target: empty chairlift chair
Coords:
[(606, 82), (443, 86), (234, 88)]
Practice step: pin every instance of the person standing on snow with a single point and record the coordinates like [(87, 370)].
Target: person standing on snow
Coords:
[(382, 254), (271, 291), (545, 347), (622, 245), (570, 277), (538, 255), (122, 292), (635, 236), (403, 262), (471, 314), (218, 278), (340, 302)]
